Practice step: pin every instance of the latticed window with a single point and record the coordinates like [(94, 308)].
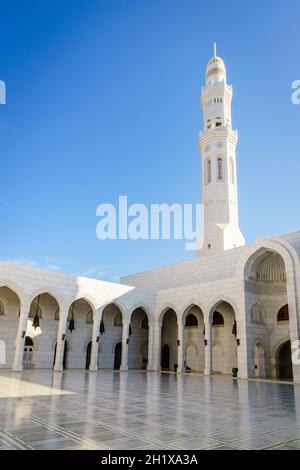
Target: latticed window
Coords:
[(191, 320), (208, 171), (283, 314), (218, 319), (220, 168)]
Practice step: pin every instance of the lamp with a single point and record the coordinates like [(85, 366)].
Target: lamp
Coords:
[(178, 342), (97, 339), (238, 341), (205, 342), (127, 340), (63, 337), (23, 334)]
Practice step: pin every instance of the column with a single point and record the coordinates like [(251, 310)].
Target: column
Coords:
[(156, 346), (61, 339), (208, 348), (95, 341), (20, 339), (150, 345), (125, 340), (181, 348)]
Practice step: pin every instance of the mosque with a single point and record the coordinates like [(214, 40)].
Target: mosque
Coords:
[(232, 309)]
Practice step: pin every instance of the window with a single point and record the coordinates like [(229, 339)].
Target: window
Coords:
[(283, 314), (89, 317), (208, 123), (231, 170), (208, 171), (218, 121), (1, 308), (191, 321), (218, 319), (220, 169)]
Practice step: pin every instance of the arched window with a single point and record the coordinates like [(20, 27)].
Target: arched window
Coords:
[(257, 314), (89, 317), (1, 308), (56, 314), (218, 121), (218, 319), (35, 310), (191, 321), (118, 319), (144, 324), (208, 171), (220, 174), (208, 123), (283, 314), (231, 170)]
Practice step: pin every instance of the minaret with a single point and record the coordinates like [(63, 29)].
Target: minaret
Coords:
[(218, 150)]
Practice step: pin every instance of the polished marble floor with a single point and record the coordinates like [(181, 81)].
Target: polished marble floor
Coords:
[(40, 409)]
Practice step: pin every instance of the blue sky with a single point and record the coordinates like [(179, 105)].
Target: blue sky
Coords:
[(103, 99)]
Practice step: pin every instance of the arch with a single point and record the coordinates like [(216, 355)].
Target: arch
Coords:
[(147, 310), (87, 299), (284, 364), (16, 289), (283, 313), (216, 303), (199, 311), (118, 305), (257, 315), (50, 292), (164, 310)]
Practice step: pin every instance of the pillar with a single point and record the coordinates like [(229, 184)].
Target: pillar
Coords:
[(181, 347), (21, 334), (125, 340), (61, 339), (208, 348), (95, 343)]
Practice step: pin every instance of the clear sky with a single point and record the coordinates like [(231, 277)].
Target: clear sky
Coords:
[(103, 99)]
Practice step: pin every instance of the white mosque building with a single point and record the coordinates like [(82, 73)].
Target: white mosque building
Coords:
[(233, 308)]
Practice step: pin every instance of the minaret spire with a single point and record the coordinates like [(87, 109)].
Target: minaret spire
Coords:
[(218, 150)]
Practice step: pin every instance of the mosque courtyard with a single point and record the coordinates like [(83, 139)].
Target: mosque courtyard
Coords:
[(41, 409)]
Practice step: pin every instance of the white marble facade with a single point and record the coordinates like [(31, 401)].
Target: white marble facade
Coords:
[(232, 306)]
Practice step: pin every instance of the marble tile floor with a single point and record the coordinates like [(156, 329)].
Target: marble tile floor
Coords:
[(42, 409)]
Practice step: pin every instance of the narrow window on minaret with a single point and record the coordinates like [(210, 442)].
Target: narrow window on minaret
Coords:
[(208, 171), (220, 169)]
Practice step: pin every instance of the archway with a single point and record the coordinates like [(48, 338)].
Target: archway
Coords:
[(28, 353), (169, 337), (9, 318), (284, 361), (193, 320), (88, 355), (110, 335), (165, 357), (42, 327), (79, 331), (224, 338), (138, 338), (118, 356), (267, 312), (65, 356)]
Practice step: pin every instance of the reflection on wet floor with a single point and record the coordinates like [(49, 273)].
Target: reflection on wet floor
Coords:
[(75, 409)]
